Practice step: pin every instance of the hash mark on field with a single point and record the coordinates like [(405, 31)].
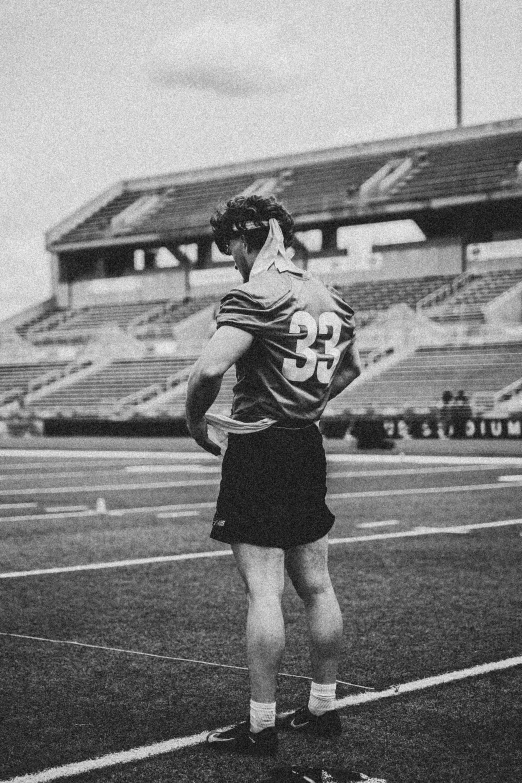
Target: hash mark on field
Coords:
[(510, 478), (158, 748), (175, 514), (383, 523)]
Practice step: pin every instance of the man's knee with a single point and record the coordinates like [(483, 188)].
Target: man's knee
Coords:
[(311, 586)]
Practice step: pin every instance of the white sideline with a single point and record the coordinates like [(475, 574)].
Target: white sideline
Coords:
[(158, 748), (202, 455), (419, 531), (210, 482)]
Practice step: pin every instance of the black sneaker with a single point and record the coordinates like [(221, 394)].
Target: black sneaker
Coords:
[(326, 725), (240, 739)]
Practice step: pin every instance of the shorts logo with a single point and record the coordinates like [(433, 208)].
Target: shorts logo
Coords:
[(219, 523)]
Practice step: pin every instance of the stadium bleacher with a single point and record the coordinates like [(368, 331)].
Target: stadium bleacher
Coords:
[(377, 295), (112, 383), (18, 376), (77, 325), (163, 319), (467, 303), (419, 380)]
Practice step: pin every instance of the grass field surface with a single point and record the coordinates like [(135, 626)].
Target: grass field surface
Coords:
[(119, 652)]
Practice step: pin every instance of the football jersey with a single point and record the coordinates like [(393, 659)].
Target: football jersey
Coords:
[(301, 330)]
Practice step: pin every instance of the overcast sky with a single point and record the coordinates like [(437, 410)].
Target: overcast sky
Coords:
[(95, 91)]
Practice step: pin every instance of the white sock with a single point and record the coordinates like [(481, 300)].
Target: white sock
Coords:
[(262, 715), (322, 698)]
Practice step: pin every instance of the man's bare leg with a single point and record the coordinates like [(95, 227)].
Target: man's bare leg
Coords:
[(307, 567), (262, 570)]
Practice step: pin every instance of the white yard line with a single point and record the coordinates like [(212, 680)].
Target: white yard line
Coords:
[(169, 746), (108, 487), (17, 505), (412, 471), (212, 482), (56, 515), (182, 456), (107, 469), (88, 454), (420, 531), (375, 493), (382, 523), (423, 459), (117, 512), (172, 469), (60, 509), (175, 514)]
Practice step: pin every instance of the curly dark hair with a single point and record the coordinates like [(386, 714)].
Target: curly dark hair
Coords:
[(229, 222)]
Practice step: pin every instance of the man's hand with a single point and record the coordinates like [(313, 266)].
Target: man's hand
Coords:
[(199, 432)]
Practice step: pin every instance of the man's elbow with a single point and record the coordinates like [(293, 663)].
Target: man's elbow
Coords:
[(208, 372)]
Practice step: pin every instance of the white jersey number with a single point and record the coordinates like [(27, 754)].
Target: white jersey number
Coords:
[(314, 360)]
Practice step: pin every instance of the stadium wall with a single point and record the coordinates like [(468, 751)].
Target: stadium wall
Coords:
[(435, 257), (150, 286)]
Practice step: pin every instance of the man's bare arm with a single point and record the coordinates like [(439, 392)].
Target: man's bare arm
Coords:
[(348, 370), (223, 350)]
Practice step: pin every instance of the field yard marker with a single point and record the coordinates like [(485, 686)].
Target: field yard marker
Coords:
[(223, 552), (169, 746), (165, 657)]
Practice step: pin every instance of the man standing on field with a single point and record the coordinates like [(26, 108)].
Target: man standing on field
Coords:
[(292, 341)]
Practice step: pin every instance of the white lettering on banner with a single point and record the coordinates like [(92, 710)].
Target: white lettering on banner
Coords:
[(313, 360), (496, 429), (483, 427), (470, 428), (514, 428), (426, 430), (389, 428)]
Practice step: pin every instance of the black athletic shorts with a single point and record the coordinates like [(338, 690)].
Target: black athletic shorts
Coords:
[(273, 489)]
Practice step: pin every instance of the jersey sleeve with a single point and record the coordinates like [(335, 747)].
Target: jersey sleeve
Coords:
[(243, 311)]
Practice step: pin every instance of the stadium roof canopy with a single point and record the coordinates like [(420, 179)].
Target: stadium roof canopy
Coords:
[(357, 183)]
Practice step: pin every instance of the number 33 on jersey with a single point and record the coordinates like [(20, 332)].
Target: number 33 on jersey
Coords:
[(313, 335)]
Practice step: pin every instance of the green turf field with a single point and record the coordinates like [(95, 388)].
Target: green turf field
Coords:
[(425, 558)]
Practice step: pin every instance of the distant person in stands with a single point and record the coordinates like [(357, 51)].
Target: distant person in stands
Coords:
[(292, 341), (446, 412), (460, 413)]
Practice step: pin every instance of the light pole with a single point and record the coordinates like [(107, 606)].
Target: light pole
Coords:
[(458, 65)]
